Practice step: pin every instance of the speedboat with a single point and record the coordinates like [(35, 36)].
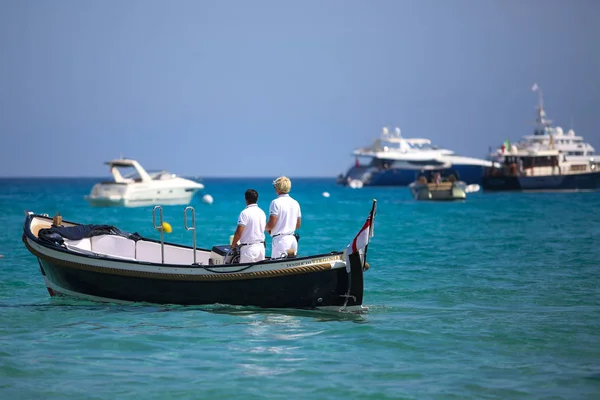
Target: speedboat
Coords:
[(103, 263), (545, 135), (140, 187), (439, 185), (438, 191), (392, 160), (548, 160)]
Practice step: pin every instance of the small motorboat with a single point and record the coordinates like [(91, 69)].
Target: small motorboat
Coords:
[(141, 188), (104, 263), (439, 189)]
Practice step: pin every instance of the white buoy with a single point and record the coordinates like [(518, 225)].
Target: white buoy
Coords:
[(326, 194), (207, 198), (472, 188), (355, 184)]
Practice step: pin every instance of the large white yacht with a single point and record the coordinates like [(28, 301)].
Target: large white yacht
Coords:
[(571, 147), (140, 187), (393, 160)]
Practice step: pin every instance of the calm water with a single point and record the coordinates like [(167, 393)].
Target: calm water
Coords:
[(497, 297)]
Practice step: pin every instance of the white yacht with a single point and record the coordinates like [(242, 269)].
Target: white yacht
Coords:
[(140, 187), (542, 169), (571, 147), (393, 160)]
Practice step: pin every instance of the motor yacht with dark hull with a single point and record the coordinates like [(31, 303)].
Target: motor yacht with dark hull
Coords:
[(541, 170), (545, 161), (573, 148)]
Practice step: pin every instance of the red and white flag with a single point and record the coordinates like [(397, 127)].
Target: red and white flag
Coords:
[(362, 239), (534, 87)]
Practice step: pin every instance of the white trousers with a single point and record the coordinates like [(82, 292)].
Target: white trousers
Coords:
[(252, 253), (281, 244)]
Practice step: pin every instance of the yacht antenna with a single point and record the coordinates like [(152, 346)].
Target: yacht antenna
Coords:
[(571, 127), (536, 88), (541, 113)]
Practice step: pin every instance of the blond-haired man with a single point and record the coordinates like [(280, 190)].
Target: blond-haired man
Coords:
[(285, 218)]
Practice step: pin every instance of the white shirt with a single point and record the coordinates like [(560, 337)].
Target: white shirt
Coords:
[(254, 220), (287, 211)]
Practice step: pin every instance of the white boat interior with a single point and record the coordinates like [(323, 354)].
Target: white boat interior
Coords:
[(132, 185), (122, 248)]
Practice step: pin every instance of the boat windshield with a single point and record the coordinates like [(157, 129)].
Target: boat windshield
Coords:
[(160, 175), (423, 146), (133, 175), (129, 174)]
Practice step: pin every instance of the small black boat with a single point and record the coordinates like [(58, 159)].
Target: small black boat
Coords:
[(104, 263)]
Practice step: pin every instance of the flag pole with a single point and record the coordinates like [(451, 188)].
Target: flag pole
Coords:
[(372, 215), (371, 225)]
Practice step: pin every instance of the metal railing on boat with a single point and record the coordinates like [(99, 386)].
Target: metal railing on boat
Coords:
[(161, 228), (191, 228)]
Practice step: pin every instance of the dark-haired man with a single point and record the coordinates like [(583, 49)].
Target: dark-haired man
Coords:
[(250, 232)]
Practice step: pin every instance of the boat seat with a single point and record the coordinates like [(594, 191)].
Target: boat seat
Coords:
[(113, 245), (179, 255), (148, 251), (83, 244)]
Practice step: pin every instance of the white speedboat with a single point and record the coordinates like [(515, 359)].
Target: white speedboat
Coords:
[(393, 159), (141, 188)]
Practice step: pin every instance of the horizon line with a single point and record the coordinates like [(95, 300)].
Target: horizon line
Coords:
[(183, 176)]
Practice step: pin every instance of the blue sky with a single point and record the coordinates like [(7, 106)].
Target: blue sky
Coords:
[(264, 88)]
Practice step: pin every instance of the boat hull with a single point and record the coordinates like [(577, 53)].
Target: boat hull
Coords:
[(106, 196), (442, 192), (573, 182), (302, 287), (470, 174)]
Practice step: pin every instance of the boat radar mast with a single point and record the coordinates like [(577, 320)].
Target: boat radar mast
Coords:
[(541, 114)]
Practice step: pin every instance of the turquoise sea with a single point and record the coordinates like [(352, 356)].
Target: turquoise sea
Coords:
[(497, 297)]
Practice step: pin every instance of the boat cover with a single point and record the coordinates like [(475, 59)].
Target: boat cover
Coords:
[(58, 234)]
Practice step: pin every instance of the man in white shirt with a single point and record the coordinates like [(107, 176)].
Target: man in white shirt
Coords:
[(284, 218), (250, 230)]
